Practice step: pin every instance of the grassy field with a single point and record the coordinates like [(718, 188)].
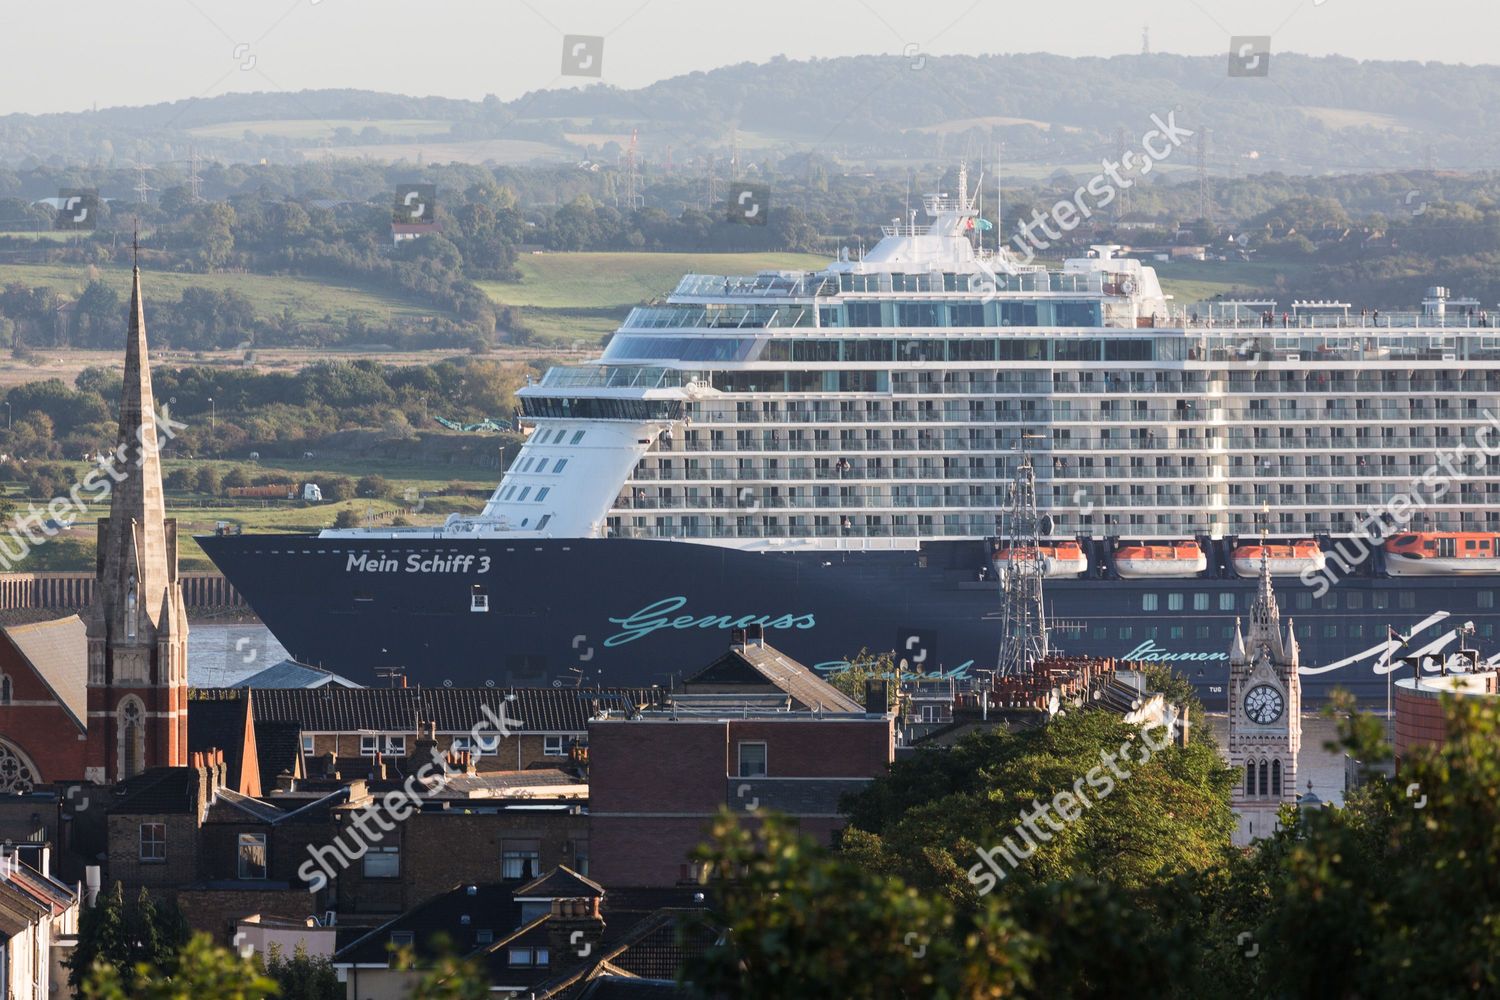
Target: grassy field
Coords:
[(318, 128), (582, 296), (440, 150), (308, 299), (1198, 281), (414, 488)]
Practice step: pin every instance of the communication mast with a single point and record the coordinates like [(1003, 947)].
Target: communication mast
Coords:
[(634, 198), (194, 182), (1205, 193)]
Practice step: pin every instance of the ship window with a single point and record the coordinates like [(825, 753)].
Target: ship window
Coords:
[(543, 522), (1176, 632), (1330, 631), (1174, 602), (1148, 602), (1200, 602), (562, 463), (1303, 601), (1354, 600), (521, 496), (1126, 632), (1226, 602), (1406, 599), (1330, 602), (1228, 631), (1101, 632), (1202, 631), (1356, 631), (525, 464), (541, 494), (508, 491), (577, 437), (1486, 598)]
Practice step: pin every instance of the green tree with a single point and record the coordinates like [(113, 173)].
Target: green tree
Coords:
[(444, 975), (303, 977), (372, 486), (801, 923), (201, 971), (863, 668), (346, 518), (338, 488), (123, 937), (209, 480), (1116, 808)]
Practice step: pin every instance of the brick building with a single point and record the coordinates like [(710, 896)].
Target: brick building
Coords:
[(657, 777)]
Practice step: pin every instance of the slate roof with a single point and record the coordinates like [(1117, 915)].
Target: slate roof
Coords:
[(331, 709), (615, 987), (492, 908), (755, 663), (160, 790), (278, 746), (58, 651), (561, 882), (291, 674)]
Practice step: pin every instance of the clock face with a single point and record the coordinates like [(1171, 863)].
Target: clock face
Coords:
[(1264, 704)]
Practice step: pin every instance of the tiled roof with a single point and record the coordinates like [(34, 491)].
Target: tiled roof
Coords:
[(613, 987), (58, 652), (561, 882), (755, 661), (331, 709), (491, 907), (291, 674)]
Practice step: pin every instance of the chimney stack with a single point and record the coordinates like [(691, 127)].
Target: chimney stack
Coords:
[(574, 931)]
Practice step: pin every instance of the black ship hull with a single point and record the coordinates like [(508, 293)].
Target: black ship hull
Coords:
[(470, 612)]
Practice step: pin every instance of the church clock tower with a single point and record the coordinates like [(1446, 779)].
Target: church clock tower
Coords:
[(1265, 714), (137, 626)]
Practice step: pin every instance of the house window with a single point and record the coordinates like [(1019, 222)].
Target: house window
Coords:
[(543, 956), (520, 956), (520, 859), (552, 746), (307, 744), (484, 937), (580, 856), (475, 748), (402, 939), (153, 842), (388, 746), (383, 862), (752, 760), (252, 855)]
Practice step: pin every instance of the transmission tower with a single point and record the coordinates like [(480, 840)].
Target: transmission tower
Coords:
[(142, 189), (194, 182), (1205, 193), (711, 184), (1023, 615), (1122, 196)]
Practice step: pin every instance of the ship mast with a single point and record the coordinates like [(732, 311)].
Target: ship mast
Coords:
[(1023, 614)]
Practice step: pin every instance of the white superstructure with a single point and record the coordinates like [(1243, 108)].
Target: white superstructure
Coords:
[(885, 400)]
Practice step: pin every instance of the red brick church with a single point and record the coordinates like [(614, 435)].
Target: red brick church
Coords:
[(102, 697)]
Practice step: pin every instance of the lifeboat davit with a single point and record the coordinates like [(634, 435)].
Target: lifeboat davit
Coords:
[(1282, 558), (1144, 560), (1442, 553), (1058, 558)]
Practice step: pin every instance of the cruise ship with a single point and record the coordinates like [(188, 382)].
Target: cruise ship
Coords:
[(824, 455)]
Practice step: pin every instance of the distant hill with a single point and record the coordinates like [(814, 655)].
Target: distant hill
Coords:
[(1313, 115)]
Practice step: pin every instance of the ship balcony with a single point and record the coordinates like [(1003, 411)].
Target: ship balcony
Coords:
[(852, 475), (751, 504)]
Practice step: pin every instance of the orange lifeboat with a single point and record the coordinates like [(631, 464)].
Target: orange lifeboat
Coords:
[(1282, 558), (1145, 560), (1058, 558), (1442, 553)]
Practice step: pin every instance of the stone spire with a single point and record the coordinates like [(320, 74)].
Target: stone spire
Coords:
[(137, 625), (133, 543)]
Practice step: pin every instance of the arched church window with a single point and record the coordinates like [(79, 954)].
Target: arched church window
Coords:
[(1250, 777), (5, 690), (132, 720), (16, 774), (1265, 784), (1276, 778)]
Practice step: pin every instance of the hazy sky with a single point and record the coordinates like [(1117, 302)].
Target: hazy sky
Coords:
[(69, 55)]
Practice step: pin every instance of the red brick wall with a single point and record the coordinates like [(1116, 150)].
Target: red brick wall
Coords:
[(1419, 720), (655, 785), (45, 733)]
